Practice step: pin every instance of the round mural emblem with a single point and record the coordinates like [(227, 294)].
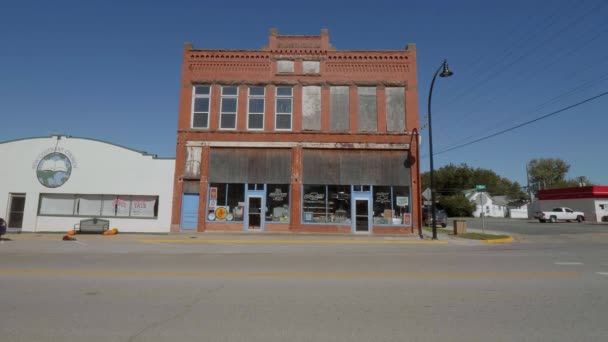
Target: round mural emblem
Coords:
[(54, 170)]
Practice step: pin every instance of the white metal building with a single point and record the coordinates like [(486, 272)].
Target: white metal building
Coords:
[(51, 183), (592, 200)]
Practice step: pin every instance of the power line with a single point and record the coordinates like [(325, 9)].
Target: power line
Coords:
[(524, 124)]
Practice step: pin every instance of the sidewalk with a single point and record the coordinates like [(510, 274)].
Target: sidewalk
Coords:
[(235, 237)]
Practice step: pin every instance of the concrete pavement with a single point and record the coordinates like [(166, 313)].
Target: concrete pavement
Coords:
[(104, 289)]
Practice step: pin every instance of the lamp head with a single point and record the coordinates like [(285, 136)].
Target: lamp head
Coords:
[(446, 71)]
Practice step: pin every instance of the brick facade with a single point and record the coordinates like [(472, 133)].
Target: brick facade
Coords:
[(259, 68)]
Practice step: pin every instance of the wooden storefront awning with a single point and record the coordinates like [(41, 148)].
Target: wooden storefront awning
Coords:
[(355, 167), (250, 165)]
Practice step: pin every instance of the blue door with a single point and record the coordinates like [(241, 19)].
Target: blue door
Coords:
[(189, 219)]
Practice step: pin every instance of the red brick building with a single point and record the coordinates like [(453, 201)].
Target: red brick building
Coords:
[(298, 136)]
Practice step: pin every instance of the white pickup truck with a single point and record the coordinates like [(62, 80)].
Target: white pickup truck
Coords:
[(560, 214)]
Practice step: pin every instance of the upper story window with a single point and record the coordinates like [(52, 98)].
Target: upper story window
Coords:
[(255, 108), (284, 108), (285, 66), (311, 67), (395, 109), (367, 112), (311, 108), (339, 110), (200, 106), (228, 107)]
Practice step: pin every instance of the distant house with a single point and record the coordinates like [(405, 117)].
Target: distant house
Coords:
[(490, 206)]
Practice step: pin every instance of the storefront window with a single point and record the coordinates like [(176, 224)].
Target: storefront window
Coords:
[(226, 202), (314, 206), (338, 204), (401, 204), (277, 203), (383, 209)]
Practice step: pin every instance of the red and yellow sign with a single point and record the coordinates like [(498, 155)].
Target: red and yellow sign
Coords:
[(407, 219), (220, 213)]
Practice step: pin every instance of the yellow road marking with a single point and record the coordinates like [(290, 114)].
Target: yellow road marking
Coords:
[(503, 240), (211, 274), (309, 242)]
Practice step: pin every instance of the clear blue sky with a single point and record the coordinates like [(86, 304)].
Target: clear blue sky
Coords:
[(111, 69)]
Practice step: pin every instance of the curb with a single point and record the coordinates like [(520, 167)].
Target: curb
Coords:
[(504, 240)]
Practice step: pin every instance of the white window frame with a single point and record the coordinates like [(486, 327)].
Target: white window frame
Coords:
[(236, 116), (194, 97), (276, 113), (263, 97)]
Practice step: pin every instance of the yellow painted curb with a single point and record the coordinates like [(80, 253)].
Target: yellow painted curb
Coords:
[(505, 240), (301, 242)]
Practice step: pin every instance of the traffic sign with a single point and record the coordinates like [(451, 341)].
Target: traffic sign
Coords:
[(426, 194), (480, 187)]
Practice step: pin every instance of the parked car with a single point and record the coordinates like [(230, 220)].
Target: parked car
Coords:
[(560, 214), (440, 216)]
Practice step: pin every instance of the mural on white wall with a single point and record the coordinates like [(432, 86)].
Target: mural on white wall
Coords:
[(54, 166)]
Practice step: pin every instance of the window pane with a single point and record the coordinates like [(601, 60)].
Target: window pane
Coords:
[(395, 109), (89, 205), (314, 205), (217, 192), (229, 105), (285, 66), (200, 120), (123, 205), (339, 203), (382, 205), (283, 105), (311, 108), (368, 115), (229, 90), (339, 113), (202, 90), (401, 202), (277, 201), (143, 206), (109, 206), (311, 67), (256, 105), (256, 91), (256, 121), (284, 121), (284, 91), (236, 201), (201, 104), (228, 121), (55, 204)]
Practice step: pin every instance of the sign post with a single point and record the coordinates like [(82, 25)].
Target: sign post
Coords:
[(480, 189)]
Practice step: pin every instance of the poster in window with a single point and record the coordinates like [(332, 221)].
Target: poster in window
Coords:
[(407, 219), (143, 206)]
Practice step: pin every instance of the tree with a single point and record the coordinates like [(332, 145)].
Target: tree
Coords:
[(550, 173), (456, 205), (452, 179), (547, 173)]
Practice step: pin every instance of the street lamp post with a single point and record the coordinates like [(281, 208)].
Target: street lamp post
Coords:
[(445, 72)]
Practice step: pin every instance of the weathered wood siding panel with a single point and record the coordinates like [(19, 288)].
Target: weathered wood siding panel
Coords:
[(311, 108), (355, 167), (339, 108), (241, 165), (395, 109), (193, 162), (367, 113)]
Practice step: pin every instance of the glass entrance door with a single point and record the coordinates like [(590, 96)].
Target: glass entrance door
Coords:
[(15, 215), (361, 213), (254, 213)]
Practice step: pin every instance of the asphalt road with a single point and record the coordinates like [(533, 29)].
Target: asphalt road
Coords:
[(533, 227), (191, 290)]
